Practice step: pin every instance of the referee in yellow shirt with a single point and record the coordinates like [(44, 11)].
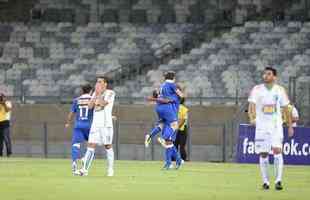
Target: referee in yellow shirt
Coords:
[(181, 138), (5, 109)]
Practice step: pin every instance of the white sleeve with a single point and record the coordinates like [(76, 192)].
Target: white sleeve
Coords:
[(8, 104), (253, 95), (295, 112), (93, 96), (109, 97), (284, 101)]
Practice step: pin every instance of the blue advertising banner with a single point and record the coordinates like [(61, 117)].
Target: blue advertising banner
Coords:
[(296, 150)]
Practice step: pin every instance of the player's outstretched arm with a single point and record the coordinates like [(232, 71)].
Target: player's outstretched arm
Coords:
[(159, 100)]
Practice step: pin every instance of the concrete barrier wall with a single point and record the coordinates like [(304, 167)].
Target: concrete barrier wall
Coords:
[(28, 120), (133, 121)]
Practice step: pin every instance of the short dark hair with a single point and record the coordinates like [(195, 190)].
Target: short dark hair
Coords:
[(274, 71), (106, 79), (170, 75), (182, 100), (86, 88)]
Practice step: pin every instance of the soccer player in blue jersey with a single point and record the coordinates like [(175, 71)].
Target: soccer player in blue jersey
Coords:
[(82, 116), (167, 104)]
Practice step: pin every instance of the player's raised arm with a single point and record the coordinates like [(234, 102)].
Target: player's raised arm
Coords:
[(91, 103), (108, 98), (99, 88)]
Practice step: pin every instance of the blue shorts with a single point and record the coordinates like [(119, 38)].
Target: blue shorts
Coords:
[(80, 135), (166, 113)]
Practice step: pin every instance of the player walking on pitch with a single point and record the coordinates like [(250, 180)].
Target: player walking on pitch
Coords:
[(265, 102), (83, 117), (101, 132)]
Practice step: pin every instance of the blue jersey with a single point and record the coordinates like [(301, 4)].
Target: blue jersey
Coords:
[(83, 115), (168, 91), (168, 112)]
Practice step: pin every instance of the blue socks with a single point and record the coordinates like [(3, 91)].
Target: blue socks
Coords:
[(177, 156), (168, 157)]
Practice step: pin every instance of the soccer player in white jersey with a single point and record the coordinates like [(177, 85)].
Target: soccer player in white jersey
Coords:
[(101, 132), (265, 102)]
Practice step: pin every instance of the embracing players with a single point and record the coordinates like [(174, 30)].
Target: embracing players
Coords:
[(83, 119), (167, 107), (265, 102)]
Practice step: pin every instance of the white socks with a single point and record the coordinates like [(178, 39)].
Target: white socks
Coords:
[(264, 163), (110, 158), (88, 158), (90, 154), (278, 166)]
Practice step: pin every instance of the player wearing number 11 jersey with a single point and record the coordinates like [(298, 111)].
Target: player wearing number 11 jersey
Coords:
[(82, 123)]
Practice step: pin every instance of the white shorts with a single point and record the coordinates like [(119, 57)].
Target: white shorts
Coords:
[(265, 140), (101, 135)]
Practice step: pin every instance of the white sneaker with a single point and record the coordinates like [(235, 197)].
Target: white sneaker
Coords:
[(110, 172), (76, 173), (147, 140)]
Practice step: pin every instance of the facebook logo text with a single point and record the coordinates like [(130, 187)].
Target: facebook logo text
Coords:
[(291, 147)]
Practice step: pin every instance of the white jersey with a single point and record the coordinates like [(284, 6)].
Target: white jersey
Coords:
[(268, 106), (8, 114), (295, 115), (103, 115)]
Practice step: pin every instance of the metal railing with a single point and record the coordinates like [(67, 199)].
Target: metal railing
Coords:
[(207, 141)]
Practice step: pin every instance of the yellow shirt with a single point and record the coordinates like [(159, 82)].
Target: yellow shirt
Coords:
[(183, 114), (3, 114), (291, 112), (290, 108)]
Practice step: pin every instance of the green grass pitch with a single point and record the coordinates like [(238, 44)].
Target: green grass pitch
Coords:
[(45, 179)]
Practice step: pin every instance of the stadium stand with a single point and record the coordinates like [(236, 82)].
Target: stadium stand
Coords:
[(63, 54), (67, 42), (234, 62)]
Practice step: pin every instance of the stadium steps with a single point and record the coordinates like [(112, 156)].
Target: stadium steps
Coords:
[(190, 41), (16, 10)]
